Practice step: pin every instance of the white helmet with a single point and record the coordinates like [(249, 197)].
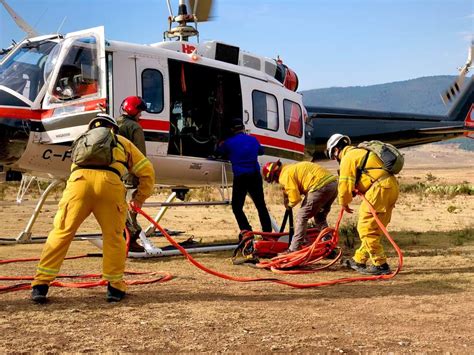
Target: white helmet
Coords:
[(102, 119), (333, 142)]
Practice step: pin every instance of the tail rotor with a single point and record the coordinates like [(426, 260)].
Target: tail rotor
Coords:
[(449, 95)]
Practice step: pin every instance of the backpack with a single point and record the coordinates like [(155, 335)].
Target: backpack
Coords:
[(94, 148), (390, 156)]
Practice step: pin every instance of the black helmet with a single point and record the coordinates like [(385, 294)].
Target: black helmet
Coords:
[(237, 124)]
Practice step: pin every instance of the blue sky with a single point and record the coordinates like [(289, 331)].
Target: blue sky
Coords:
[(327, 42)]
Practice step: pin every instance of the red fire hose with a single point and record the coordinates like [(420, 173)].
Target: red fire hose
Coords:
[(283, 282), (302, 257), (84, 284), (318, 250)]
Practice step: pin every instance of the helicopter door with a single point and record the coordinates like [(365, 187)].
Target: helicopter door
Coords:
[(77, 85), (152, 86)]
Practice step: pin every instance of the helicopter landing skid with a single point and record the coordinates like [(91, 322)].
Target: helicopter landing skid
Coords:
[(151, 251)]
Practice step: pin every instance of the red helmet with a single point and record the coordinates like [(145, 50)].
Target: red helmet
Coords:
[(270, 169), (133, 105)]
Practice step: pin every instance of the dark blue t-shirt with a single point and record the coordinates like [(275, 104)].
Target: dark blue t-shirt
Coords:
[(242, 150)]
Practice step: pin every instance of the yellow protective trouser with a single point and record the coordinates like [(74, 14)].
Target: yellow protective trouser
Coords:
[(88, 191), (382, 195)]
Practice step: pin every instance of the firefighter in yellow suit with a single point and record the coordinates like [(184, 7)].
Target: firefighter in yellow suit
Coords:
[(101, 192), (380, 189), (318, 186)]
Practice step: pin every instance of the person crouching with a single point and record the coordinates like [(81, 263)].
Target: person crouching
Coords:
[(318, 186)]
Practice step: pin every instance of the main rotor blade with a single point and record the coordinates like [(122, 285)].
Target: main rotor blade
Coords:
[(203, 9), (30, 31)]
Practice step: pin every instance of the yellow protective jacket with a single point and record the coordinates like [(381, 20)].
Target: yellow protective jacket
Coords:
[(351, 159), (128, 158), (303, 177)]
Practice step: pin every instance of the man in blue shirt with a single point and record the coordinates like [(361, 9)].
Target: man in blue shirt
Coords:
[(243, 150)]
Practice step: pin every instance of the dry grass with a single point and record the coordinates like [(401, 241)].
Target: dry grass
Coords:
[(426, 308)]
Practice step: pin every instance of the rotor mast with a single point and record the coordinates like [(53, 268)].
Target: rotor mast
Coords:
[(182, 31)]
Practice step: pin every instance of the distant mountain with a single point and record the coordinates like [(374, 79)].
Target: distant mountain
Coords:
[(421, 95), (415, 96)]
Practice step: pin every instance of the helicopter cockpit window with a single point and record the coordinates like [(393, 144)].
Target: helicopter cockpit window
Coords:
[(293, 118), (78, 75), (23, 71), (265, 110), (152, 90)]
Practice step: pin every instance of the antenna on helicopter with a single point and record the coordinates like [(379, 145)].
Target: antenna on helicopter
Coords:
[(184, 30), (455, 88), (62, 23)]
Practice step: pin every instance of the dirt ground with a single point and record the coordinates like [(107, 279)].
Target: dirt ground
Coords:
[(428, 307)]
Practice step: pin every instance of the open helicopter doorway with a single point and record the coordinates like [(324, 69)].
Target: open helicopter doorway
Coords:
[(203, 102)]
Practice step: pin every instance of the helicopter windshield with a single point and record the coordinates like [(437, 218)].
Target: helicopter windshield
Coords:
[(23, 70)]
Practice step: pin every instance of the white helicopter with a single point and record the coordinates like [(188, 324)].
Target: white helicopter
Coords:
[(52, 85), (55, 84)]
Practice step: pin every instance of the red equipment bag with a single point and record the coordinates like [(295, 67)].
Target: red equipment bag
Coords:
[(270, 245), (254, 245)]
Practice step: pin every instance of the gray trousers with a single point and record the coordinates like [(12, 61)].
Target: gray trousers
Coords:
[(316, 204), (131, 222)]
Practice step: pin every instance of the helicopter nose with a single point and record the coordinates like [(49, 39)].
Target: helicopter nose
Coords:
[(13, 139)]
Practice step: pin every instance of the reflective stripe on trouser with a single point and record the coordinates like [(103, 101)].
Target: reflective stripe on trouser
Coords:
[(383, 196), (88, 191), (316, 204)]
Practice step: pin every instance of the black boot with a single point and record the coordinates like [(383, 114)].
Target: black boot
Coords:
[(39, 292), (114, 294), (383, 269), (352, 264), (134, 247)]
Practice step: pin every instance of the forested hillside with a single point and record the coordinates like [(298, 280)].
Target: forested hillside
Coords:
[(420, 95)]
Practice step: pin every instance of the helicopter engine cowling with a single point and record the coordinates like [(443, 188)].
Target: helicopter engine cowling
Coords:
[(286, 76)]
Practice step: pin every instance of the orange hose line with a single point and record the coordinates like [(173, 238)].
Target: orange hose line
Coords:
[(275, 280), (18, 260), (84, 284), (306, 256)]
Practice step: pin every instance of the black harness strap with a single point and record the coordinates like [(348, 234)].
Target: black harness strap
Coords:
[(361, 168)]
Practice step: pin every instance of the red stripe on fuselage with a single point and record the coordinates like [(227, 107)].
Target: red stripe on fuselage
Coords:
[(469, 122), (279, 143), (30, 114), (154, 125), (24, 113)]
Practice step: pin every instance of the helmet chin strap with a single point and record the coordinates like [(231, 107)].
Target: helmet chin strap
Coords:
[(338, 153)]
